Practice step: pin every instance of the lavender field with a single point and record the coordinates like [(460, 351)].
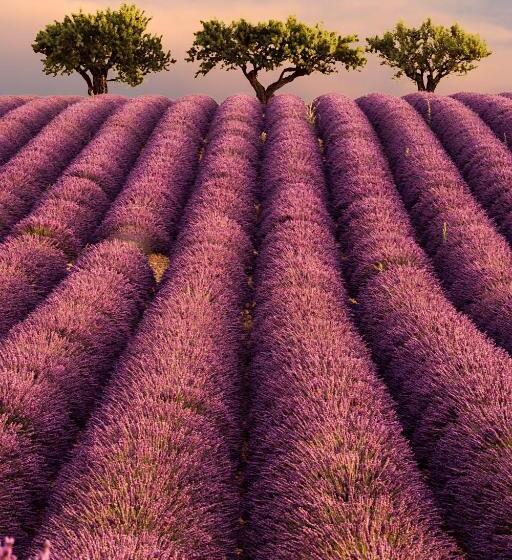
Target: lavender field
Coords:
[(230, 332)]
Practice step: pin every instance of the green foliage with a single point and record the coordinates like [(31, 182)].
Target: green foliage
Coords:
[(94, 44), (266, 46), (429, 53)]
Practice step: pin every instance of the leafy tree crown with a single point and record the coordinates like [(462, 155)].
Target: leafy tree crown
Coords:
[(430, 52), (266, 46), (100, 42)]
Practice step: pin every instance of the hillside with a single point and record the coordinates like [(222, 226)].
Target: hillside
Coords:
[(228, 332)]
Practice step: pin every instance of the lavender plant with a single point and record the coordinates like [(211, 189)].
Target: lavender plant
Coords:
[(452, 385), (22, 123), (330, 475), (52, 366), (10, 102), (494, 110), (148, 209), (471, 258), (156, 474), (36, 254), (38, 164), (483, 160)]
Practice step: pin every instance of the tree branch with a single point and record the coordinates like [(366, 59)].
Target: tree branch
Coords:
[(252, 76), (87, 79), (291, 69), (278, 84)]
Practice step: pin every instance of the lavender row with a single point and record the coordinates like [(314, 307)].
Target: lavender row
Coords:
[(38, 164), (71, 209), (483, 160), (329, 475), (374, 227), (494, 110), (452, 385), (156, 473), (471, 258), (147, 210), (52, 366), (35, 257), (10, 102), (22, 123)]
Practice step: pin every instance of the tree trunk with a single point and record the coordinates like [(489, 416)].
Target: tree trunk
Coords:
[(431, 84), (99, 84), (87, 79), (420, 84), (261, 94), (265, 94)]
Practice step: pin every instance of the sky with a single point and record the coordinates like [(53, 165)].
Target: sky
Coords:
[(176, 21)]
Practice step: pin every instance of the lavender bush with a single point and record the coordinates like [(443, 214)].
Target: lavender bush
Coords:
[(484, 161), (471, 258), (494, 110), (147, 211), (10, 102), (52, 366), (34, 258), (21, 124), (38, 164), (70, 210), (452, 385), (329, 474), (156, 474), (30, 266)]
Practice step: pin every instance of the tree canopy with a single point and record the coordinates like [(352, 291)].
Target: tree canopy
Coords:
[(95, 44), (429, 53), (267, 46)]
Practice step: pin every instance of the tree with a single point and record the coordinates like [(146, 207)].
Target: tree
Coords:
[(429, 53), (267, 46), (95, 44)]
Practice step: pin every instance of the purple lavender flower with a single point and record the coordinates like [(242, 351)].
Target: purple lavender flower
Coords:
[(11, 102), (484, 161), (156, 473), (52, 367), (494, 110), (329, 473), (471, 258), (22, 123), (452, 385), (147, 210), (70, 210), (38, 164)]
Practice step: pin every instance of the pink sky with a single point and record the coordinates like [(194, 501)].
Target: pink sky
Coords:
[(177, 20)]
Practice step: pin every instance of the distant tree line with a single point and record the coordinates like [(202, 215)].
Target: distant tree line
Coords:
[(115, 42)]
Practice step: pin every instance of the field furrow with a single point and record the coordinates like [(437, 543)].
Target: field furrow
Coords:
[(148, 209), (471, 258), (452, 386), (484, 160), (156, 474), (329, 473)]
